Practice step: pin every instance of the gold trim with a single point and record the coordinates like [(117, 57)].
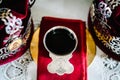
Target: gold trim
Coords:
[(91, 48), (34, 45)]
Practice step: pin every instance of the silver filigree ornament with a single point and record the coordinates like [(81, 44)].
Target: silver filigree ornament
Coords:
[(12, 25), (60, 64), (14, 41), (114, 45), (104, 9), (102, 13), (107, 7)]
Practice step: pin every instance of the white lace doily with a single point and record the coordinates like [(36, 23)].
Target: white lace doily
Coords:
[(104, 68), (18, 69)]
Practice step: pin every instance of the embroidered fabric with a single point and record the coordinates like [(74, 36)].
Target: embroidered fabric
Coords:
[(16, 70), (16, 34), (104, 26), (104, 68)]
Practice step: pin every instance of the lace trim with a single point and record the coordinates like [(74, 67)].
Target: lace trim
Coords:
[(111, 69), (16, 70), (104, 67)]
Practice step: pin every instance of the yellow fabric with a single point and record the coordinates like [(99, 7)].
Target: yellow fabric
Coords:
[(91, 49)]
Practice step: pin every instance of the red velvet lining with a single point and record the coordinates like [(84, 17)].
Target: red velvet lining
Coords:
[(79, 55)]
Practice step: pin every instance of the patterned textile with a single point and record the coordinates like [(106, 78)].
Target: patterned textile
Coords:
[(104, 25), (16, 29)]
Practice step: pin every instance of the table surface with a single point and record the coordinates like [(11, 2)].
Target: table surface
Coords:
[(100, 67)]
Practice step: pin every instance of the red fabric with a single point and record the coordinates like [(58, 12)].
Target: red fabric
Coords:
[(105, 30), (19, 9), (79, 55), (19, 6)]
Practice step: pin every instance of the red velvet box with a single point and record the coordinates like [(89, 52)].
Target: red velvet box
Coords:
[(78, 59)]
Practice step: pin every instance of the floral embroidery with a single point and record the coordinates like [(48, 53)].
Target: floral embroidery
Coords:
[(14, 39), (13, 24), (102, 28), (110, 63), (113, 3), (111, 42), (104, 9), (102, 37), (114, 44)]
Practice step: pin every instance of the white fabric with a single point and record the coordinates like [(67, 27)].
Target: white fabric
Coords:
[(18, 69), (104, 68)]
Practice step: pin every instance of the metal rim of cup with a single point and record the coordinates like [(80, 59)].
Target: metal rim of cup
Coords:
[(60, 27)]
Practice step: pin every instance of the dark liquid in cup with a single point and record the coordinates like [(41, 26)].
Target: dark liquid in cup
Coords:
[(60, 41)]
